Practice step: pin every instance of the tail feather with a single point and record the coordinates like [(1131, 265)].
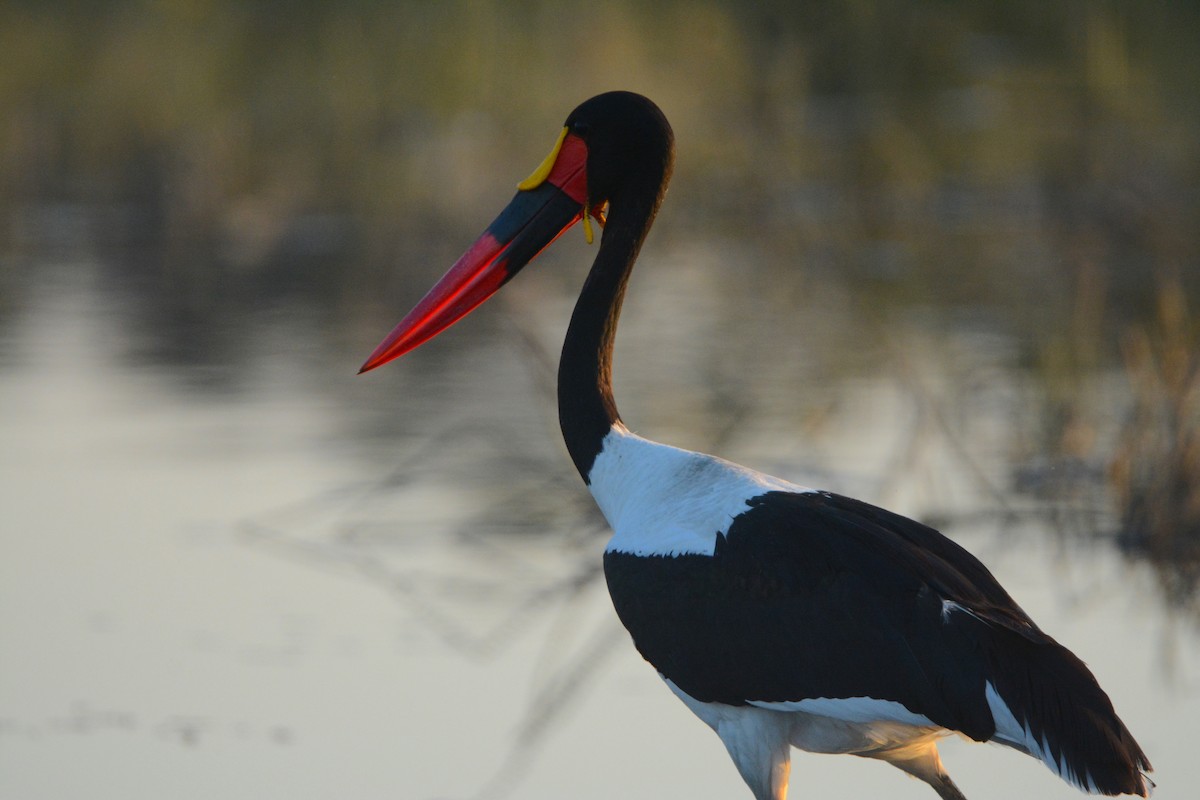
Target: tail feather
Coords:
[(1047, 703)]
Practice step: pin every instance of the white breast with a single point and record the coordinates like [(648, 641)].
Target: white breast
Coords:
[(662, 500)]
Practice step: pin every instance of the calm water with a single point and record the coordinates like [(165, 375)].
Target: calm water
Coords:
[(265, 577)]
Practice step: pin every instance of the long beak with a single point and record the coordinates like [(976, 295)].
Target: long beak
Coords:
[(554, 201)]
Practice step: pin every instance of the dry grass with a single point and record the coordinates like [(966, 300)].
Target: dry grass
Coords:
[(1155, 470)]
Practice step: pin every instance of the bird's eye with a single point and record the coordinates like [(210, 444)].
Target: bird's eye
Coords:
[(581, 129)]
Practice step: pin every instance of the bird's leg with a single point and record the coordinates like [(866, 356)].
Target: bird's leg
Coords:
[(921, 760), (946, 788), (757, 741)]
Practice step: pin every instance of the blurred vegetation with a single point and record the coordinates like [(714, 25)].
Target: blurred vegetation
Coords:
[(1028, 162), (1156, 469), (941, 150)]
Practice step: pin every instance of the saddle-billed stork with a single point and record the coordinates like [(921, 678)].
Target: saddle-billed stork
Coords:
[(781, 615)]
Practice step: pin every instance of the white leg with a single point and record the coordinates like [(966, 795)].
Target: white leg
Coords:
[(757, 740)]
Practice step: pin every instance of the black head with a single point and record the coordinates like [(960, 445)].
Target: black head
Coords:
[(629, 143)]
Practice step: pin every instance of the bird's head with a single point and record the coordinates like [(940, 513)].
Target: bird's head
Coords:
[(629, 144)]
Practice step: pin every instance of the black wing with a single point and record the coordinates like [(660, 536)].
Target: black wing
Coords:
[(816, 595)]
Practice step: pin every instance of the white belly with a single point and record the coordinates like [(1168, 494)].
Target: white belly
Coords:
[(858, 726)]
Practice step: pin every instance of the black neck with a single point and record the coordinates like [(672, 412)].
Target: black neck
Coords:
[(586, 408)]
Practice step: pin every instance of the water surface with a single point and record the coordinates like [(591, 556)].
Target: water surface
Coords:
[(277, 579)]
